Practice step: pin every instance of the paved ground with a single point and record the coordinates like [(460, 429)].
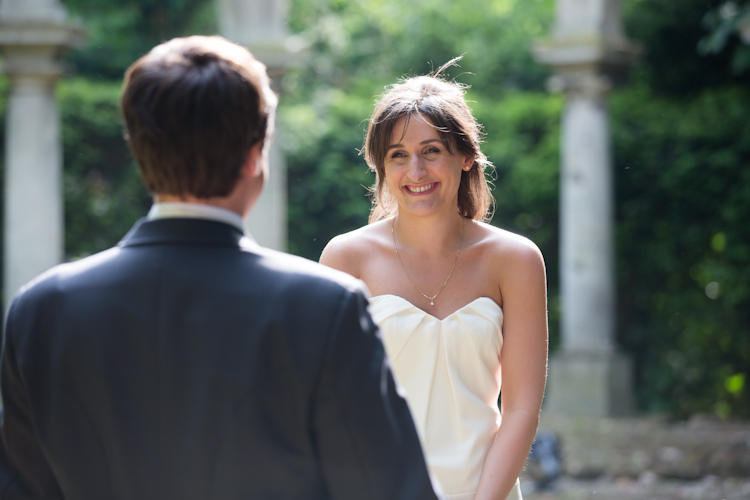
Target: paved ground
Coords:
[(709, 488), (646, 458)]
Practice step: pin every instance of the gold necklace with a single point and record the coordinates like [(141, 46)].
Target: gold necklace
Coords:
[(431, 299)]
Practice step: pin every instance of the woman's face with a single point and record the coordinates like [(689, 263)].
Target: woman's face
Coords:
[(420, 171)]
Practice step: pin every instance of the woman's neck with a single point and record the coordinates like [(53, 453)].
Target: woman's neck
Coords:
[(429, 236)]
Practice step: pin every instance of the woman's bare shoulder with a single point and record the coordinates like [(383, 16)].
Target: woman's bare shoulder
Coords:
[(515, 263), (508, 249), (346, 251)]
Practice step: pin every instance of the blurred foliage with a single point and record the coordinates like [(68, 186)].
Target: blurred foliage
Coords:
[(683, 206), (103, 193), (121, 31), (669, 32), (326, 178), (680, 141), (523, 131), (723, 25), (379, 40)]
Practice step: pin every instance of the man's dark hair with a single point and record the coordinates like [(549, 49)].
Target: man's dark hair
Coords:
[(193, 109)]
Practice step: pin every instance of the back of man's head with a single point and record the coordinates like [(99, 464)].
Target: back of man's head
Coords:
[(193, 109)]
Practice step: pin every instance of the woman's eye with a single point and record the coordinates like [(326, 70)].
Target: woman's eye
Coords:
[(398, 154), (432, 150)]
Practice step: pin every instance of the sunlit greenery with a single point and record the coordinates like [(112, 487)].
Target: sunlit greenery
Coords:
[(120, 31)]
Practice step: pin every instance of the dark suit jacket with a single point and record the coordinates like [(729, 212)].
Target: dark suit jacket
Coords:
[(189, 363)]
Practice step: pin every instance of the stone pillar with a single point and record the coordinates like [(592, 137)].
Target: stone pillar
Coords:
[(744, 28), (260, 25), (588, 51), (32, 35)]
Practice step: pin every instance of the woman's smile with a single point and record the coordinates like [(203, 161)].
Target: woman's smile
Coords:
[(421, 189)]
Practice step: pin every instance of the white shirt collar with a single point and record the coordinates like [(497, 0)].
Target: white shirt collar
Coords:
[(187, 210)]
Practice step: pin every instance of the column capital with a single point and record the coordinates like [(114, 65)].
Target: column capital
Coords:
[(16, 11), (33, 34), (588, 84), (32, 63), (33, 50), (587, 44), (606, 54), (30, 33), (260, 25)]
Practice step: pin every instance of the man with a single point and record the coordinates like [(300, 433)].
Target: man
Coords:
[(188, 362)]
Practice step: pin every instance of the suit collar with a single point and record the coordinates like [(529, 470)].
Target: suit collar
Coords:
[(178, 231), (182, 210)]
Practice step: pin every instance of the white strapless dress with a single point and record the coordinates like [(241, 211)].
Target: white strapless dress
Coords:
[(450, 372)]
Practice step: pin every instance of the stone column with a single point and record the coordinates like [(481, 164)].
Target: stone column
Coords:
[(32, 35), (588, 51), (744, 28), (260, 25)]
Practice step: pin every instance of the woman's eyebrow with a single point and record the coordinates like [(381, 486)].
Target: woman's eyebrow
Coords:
[(399, 145)]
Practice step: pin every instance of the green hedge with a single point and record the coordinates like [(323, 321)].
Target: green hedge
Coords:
[(683, 229), (103, 193)]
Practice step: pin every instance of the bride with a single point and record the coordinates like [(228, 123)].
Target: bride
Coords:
[(461, 304)]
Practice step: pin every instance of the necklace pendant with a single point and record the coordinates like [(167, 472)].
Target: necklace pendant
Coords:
[(432, 302)]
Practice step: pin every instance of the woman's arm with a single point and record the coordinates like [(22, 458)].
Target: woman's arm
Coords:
[(524, 368)]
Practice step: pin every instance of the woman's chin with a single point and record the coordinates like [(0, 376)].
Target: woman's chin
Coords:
[(424, 208)]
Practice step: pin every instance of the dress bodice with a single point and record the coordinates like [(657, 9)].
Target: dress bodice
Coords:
[(450, 372)]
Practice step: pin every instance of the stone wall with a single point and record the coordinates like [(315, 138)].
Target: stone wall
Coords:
[(636, 458)]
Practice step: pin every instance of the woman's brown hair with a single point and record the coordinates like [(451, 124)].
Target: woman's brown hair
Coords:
[(442, 103)]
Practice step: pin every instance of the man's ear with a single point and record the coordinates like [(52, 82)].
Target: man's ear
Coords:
[(252, 166)]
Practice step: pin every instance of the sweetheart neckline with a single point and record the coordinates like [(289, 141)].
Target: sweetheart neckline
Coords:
[(448, 316)]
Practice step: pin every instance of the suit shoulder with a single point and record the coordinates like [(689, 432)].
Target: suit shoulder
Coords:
[(47, 292), (295, 269), (67, 272)]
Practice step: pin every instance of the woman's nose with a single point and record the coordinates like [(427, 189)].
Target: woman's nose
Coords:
[(417, 169)]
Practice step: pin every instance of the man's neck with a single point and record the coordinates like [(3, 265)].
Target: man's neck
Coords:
[(219, 202), (187, 210)]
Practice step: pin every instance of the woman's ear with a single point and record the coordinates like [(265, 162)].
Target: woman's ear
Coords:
[(468, 163)]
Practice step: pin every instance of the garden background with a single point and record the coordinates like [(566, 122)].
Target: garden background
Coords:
[(681, 139)]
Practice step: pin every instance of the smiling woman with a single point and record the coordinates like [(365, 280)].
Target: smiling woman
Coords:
[(461, 304), (438, 105), (419, 168)]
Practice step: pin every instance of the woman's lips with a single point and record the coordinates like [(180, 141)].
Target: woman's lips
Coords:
[(421, 189)]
